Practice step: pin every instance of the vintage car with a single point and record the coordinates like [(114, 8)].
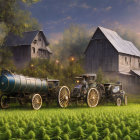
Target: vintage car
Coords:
[(115, 93), (87, 90), (31, 90)]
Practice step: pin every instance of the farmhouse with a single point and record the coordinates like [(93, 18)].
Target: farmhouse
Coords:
[(29, 45), (118, 58)]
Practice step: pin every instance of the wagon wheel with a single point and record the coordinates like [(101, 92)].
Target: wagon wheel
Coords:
[(36, 101), (63, 96), (125, 100), (92, 97), (118, 101), (4, 101)]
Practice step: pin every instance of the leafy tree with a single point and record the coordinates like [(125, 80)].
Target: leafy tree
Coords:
[(14, 18), (5, 60), (74, 41)]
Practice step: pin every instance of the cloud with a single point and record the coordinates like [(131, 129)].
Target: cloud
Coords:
[(65, 19), (85, 6), (80, 5), (55, 37), (108, 8), (74, 4)]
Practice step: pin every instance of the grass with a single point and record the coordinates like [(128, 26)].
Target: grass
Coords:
[(102, 122)]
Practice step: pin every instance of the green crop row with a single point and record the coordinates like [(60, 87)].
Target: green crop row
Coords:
[(100, 123)]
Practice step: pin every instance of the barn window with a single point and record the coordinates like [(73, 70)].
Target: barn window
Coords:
[(35, 41), (33, 49), (126, 60)]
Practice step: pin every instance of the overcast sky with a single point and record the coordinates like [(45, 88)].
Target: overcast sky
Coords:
[(56, 15)]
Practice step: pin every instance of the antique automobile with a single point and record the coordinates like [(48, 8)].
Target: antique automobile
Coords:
[(31, 90), (85, 90), (113, 92)]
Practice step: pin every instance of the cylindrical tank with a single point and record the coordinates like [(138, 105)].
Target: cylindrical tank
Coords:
[(10, 82)]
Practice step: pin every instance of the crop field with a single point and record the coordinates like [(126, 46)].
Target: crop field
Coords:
[(103, 122)]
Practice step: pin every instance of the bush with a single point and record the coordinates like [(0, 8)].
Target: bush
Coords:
[(31, 135)]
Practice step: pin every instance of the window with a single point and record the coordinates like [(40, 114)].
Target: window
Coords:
[(126, 61), (39, 39), (33, 49), (35, 41)]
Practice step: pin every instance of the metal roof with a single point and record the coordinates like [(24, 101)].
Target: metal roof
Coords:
[(25, 39), (137, 72), (121, 45)]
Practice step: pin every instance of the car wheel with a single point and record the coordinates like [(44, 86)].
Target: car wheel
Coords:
[(119, 101)]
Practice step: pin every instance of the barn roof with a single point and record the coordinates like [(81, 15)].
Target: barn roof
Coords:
[(25, 39), (137, 72), (121, 45)]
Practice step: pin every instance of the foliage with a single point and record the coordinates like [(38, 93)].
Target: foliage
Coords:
[(14, 18), (100, 76), (5, 60), (43, 68), (74, 42), (72, 123)]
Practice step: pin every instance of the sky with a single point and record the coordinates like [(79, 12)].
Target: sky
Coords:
[(56, 15)]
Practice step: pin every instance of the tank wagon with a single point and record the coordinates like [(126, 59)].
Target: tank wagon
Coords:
[(31, 90)]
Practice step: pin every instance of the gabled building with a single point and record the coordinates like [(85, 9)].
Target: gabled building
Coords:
[(117, 57), (29, 45)]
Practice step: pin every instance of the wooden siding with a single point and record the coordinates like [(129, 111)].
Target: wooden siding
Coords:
[(38, 48), (101, 54), (127, 63), (21, 55)]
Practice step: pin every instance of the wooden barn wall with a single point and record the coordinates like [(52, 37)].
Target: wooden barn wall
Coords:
[(100, 54), (127, 63), (40, 44), (21, 55), (130, 82)]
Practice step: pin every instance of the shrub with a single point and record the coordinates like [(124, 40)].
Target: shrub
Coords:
[(127, 137), (79, 133), (42, 132), (106, 132), (66, 137), (46, 137), (31, 135), (67, 128), (114, 136), (95, 135)]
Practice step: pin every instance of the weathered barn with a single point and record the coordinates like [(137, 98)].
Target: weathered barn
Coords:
[(118, 58), (29, 45)]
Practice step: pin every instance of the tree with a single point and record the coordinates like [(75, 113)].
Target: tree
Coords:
[(74, 41), (14, 18), (5, 60)]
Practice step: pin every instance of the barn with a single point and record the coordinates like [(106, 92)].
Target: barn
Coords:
[(29, 45), (118, 58)]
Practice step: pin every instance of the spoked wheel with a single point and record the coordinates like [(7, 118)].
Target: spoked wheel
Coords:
[(92, 97), (63, 97), (4, 101), (36, 101), (125, 100), (118, 101)]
